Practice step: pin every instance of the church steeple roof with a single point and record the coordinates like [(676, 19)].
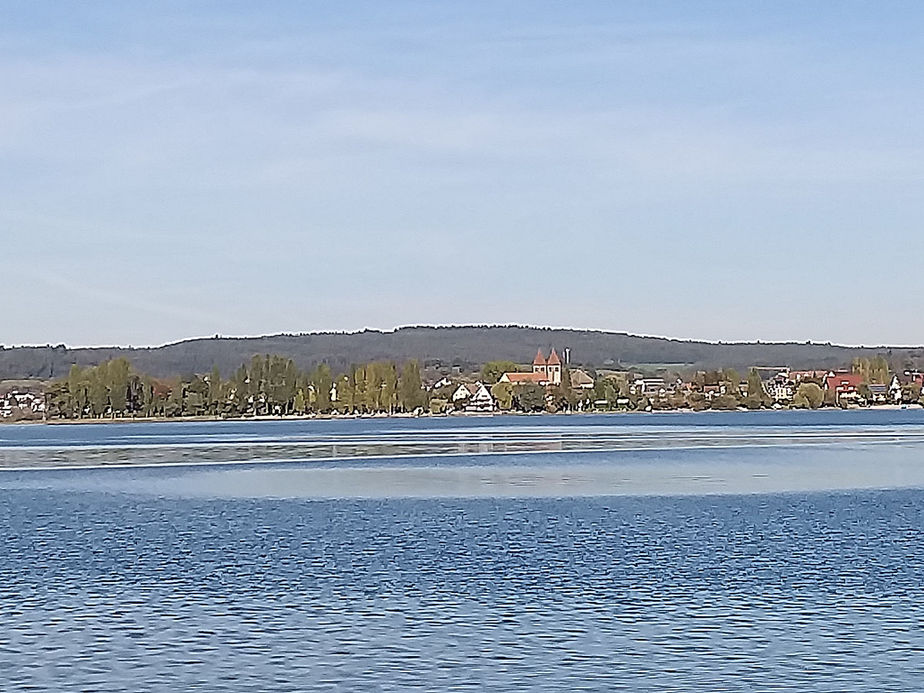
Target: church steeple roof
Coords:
[(540, 359), (553, 359)]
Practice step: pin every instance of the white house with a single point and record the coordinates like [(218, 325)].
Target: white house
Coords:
[(780, 387), (649, 386), (476, 396), (895, 389)]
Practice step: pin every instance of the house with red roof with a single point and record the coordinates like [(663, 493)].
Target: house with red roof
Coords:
[(845, 386), (522, 378)]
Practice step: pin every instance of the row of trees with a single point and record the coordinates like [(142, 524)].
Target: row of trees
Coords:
[(267, 385), (874, 370), (274, 385)]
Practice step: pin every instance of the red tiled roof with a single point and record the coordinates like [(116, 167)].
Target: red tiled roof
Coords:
[(553, 359), (840, 381), (540, 359), (526, 377)]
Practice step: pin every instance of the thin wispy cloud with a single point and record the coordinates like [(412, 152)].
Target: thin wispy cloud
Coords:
[(328, 171)]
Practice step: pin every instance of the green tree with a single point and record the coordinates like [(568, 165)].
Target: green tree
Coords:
[(564, 394), (78, 395), (879, 370), (175, 401), (216, 393), (98, 390), (529, 397), (610, 392), (697, 401), (57, 400), (195, 403), (117, 373), (147, 396), (493, 370), (873, 371), (725, 402), (757, 396), (300, 404), (732, 382), (345, 399), (410, 387), (911, 392), (373, 399), (256, 384), (358, 377), (503, 395), (808, 396), (322, 381), (389, 387), (239, 392)]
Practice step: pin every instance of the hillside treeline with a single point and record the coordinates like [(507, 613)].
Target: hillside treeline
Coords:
[(466, 347), (265, 386)]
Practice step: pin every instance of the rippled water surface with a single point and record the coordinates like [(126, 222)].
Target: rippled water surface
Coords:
[(665, 553)]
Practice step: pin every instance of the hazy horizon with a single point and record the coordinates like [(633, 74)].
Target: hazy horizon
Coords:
[(717, 171), (448, 325)]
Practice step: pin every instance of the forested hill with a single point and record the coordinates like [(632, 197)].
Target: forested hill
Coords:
[(447, 345)]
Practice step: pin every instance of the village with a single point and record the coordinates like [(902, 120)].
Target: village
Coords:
[(551, 383), (567, 388)]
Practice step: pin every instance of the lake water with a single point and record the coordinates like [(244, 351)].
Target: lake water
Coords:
[(678, 552)]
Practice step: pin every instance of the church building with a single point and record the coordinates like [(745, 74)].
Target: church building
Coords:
[(545, 371), (550, 368)]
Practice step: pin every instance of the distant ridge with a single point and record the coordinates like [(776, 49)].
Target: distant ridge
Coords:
[(449, 345)]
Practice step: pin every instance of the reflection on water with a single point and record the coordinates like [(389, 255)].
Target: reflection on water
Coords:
[(668, 558), (361, 439)]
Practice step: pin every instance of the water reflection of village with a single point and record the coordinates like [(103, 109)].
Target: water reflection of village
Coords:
[(436, 447)]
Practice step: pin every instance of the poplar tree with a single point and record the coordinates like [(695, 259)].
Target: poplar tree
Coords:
[(358, 378), (322, 381), (389, 387), (410, 387)]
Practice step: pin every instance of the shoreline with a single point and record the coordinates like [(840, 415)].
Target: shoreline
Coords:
[(344, 417)]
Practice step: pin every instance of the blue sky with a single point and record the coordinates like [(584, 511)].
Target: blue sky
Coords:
[(725, 171)]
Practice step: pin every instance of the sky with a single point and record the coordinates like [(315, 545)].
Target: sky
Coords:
[(710, 170)]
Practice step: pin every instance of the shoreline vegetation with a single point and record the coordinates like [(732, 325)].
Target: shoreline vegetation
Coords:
[(271, 387), (428, 415)]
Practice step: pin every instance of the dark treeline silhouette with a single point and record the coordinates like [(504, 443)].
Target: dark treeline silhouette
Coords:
[(463, 346), (265, 386)]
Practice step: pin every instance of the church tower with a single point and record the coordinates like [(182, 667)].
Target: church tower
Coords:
[(553, 368), (539, 365)]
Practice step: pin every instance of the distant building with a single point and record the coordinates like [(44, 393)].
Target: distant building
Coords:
[(780, 387), (895, 387), (545, 371), (522, 378), (844, 386), (580, 380), (655, 387), (798, 376), (550, 368), (878, 393), (17, 404), (476, 396), (442, 382)]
